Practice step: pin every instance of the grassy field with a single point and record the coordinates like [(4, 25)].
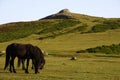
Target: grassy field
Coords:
[(61, 48), (86, 67)]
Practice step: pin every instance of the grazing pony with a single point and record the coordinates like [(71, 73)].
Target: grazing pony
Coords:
[(24, 51)]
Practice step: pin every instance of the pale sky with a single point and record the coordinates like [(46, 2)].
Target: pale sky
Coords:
[(28, 10)]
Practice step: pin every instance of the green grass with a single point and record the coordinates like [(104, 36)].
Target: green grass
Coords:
[(58, 64), (86, 67)]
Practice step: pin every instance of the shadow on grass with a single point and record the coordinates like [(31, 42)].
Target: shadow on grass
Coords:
[(18, 71), (21, 73), (60, 55), (3, 71)]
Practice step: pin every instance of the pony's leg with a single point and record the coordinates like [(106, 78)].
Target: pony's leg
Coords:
[(26, 70), (19, 61), (33, 64), (10, 66), (12, 62), (23, 65), (36, 68)]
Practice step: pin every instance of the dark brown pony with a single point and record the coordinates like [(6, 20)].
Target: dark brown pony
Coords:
[(24, 51)]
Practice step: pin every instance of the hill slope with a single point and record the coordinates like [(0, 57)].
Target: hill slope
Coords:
[(69, 43), (63, 22)]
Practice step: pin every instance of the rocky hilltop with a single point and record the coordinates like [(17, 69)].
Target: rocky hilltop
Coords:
[(63, 14)]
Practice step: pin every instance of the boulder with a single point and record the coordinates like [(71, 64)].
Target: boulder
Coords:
[(73, 58)]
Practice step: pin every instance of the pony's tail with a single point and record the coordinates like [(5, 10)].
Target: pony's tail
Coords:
[(7, 59)]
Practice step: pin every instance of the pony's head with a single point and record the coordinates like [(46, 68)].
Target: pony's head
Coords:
[(41, 65), (41, 59)]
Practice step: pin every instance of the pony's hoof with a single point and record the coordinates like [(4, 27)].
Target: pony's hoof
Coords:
[(36, 72), (26, 72), (23, 68), (14, 71)]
